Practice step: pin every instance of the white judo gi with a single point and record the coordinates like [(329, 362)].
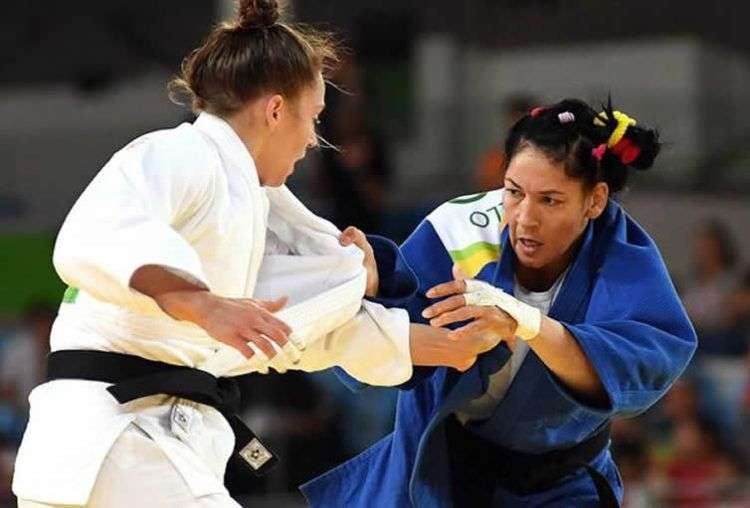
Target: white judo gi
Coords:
[(188, 199)]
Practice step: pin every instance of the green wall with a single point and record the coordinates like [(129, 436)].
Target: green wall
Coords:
[(26, 272)]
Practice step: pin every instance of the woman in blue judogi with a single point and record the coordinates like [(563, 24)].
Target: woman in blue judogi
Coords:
[(569, 304)]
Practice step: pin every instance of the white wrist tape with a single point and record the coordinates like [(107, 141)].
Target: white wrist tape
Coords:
[(529, 318)]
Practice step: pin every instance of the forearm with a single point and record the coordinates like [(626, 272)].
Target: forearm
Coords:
[(233, 321), (431, 347), (563, 356), (180, 297)]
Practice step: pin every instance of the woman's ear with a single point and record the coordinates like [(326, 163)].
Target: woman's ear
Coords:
[(599, 196), (274, 110)]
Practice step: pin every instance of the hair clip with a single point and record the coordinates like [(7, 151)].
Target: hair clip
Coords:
[(566, 117), (627, 151), (621, 121), (537, 111), (598, 152)]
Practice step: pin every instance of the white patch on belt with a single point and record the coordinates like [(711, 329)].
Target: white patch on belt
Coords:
[(255, 454)]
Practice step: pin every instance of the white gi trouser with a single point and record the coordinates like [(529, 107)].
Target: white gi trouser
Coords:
[(136, 472)]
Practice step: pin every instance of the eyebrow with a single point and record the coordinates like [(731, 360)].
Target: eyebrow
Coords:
[(545, 192), (513, 182)]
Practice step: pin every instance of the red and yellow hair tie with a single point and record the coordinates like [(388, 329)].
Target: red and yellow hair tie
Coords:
[(623, 122), (622, 147)]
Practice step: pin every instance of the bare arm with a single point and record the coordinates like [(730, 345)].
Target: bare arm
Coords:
[(563, 356), (435, 347), (554, 344)]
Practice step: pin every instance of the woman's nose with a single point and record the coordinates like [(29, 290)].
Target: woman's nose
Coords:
[(527, 214)]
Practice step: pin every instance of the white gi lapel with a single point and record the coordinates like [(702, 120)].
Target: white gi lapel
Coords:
[(237, 159), (324, 281)]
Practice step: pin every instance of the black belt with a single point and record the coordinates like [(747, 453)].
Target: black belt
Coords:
[(479, 465), (134, 377)]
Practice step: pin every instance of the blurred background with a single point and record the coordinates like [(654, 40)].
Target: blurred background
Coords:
[(432, 89)]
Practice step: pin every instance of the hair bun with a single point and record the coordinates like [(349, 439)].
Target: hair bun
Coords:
[(257, 13), (648, 142), (643, 142)]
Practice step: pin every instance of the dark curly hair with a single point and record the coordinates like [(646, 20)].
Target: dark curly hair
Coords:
[(570, 132)]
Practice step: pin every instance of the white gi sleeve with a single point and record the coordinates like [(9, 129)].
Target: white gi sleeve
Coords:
[(373, 347), (331, 322), (126, 219)]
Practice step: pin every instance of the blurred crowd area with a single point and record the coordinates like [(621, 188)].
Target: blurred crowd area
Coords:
[(403, 120)]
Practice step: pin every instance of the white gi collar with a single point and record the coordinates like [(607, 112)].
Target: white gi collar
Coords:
[(230, 145), (236, 158)]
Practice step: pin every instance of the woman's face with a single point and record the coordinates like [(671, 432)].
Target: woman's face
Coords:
[(547, 210), (292, 134)]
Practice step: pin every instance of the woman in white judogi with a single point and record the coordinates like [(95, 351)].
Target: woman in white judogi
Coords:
[(169, 254)]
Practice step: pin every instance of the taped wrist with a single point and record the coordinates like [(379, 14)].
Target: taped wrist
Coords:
[(529, 318)]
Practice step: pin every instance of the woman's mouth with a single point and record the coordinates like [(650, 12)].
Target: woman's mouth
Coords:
[(528, 247)]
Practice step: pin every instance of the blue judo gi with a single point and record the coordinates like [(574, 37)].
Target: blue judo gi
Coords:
[(617, 300)]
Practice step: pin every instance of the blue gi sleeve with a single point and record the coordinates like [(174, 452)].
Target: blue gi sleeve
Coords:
[(636, 332), (424, 255), (398, 283)]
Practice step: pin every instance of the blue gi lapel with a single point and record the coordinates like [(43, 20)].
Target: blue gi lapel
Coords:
[(473, 383), (570, 306)]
